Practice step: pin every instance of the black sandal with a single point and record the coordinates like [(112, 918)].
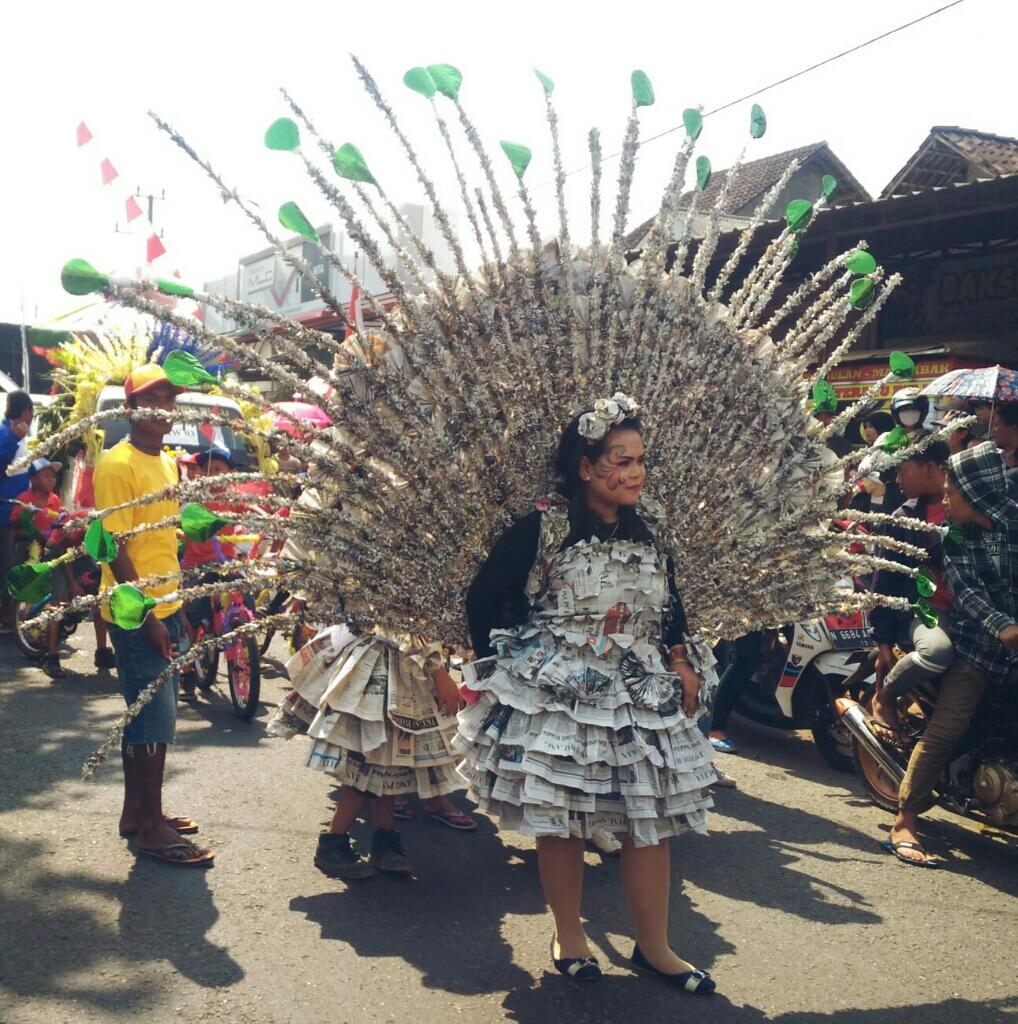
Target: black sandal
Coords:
[(904, 844), (52, 667), (700, 983), (579, 969)]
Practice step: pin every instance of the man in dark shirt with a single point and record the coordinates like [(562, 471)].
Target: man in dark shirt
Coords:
[(981, 570)]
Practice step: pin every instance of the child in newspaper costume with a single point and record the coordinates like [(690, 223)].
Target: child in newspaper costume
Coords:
[(381, 720), (576, 721)]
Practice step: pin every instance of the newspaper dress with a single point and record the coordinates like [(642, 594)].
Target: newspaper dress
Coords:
[(368, 707), (576, 725)]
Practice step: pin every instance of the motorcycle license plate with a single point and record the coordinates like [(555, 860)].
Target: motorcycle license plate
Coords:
[(851, 639)]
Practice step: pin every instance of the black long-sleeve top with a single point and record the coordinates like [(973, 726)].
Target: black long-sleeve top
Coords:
[(498, 598)]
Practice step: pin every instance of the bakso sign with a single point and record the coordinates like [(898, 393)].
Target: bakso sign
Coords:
[(974, 293)]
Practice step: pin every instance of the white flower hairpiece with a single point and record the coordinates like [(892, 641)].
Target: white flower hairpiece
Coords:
[(607, 413)]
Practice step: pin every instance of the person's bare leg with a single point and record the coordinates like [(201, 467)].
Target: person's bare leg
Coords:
[(904, 831), (101, 633), (348, 806), (646, 881), (381, 812), (560, 862), (143, 796)]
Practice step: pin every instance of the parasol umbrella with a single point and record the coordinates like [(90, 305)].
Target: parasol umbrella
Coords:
[(291, 416), (988, 383)]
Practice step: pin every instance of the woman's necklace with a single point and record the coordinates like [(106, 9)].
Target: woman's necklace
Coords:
[(601, 527)]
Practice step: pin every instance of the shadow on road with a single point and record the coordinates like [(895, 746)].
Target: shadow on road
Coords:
[(55, 944)]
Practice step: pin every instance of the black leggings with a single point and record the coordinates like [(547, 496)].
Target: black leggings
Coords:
[(745, 659)]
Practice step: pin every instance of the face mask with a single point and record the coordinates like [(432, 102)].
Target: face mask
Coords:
[(909, 418)]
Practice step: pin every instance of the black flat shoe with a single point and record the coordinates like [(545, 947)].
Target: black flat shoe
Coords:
[(582, 969), (700, 983)]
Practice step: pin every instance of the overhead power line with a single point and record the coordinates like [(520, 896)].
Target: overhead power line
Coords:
[(780, 81)]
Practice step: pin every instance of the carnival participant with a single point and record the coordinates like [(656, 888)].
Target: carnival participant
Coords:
[(1004, 430), (13, 445), (132, 469), (381, 716), (579, 718), (921, 477), (982, 572)]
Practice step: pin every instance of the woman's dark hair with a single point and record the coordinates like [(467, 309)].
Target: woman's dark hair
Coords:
[(880, 421), (572, 447), (1008, 412)]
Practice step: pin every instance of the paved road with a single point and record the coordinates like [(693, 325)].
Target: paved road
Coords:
[(789, 902)]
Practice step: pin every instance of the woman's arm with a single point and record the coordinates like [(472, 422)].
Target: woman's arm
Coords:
[(498, 597)]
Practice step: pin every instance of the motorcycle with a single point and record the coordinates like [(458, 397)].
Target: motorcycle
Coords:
[(804, 670), (980, 780)]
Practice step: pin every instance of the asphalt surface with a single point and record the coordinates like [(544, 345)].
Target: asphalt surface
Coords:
[(789, 902)]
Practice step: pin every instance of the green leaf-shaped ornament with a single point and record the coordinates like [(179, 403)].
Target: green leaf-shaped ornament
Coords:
[(828, 186), (171, 286), (757, 121), (447, 79), (546, 83), (43, 337), (825, 398), (693, 120), (902, 365), (955, 535), (184, 371), (348, 163), (198, 523), (79, 277), (798, 214), (99, 542), (30, 582), (643, 91), (702, 172), (129, 606), (519, 156), (283, 134), (862, 292), (927, 615), (793, 249), (291, 216), (861, 262), (26, 521), (896, 439), (925, 584), (420, 80)]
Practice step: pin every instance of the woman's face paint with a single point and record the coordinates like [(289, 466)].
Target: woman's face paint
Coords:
[(617, 476)]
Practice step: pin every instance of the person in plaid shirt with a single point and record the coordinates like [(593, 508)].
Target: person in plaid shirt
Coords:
[(981, 570)]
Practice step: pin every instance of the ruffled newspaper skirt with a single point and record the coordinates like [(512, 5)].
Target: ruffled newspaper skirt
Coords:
[(369, 711), (547, 762)]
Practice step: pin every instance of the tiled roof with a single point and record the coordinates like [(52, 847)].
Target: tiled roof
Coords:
[(755, 177), (950, 155)]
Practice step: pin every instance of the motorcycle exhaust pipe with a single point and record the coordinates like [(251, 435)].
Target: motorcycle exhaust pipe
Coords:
[(854, 718)]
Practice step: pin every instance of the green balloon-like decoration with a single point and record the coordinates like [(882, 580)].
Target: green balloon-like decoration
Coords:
[(896, 439), (643, 91), (420, 80), (184, 371), (79, 277), (798, 214), (862, 292), (349, 163), (825, 398), (702, 172), (283, 135), (828, 186), (43, 337), (546, 83), (861, 262), (693, 121), (902, 365), (171, 286), (100, 543), (519, 157), (291, 216), (30, 582), (757, 121), (199, 524), (926, 614), (955, 534), (447, 79), (129, 606), (925, 584)]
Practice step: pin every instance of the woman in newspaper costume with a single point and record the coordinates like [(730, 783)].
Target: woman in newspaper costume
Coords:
[(441, 435), (381, 716), (576, 720)]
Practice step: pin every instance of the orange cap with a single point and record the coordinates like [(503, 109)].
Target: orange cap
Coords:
[(144, 378)]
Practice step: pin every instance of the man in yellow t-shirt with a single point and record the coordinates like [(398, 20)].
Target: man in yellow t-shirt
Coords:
[(136, 467)]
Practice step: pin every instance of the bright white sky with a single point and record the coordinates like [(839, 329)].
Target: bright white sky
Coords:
[(212, 68)]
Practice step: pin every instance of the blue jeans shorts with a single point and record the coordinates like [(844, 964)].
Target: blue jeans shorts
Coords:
[(138, 663)]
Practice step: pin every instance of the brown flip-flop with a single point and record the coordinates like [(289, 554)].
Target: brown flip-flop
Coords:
[(181, 825), (197, 858)]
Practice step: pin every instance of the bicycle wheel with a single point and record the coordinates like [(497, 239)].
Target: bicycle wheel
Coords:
[(207, 668), (244, 674), (266, 640), (31, 640)]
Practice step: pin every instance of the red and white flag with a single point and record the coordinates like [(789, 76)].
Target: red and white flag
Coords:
[(109, 172), (83, 134)]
